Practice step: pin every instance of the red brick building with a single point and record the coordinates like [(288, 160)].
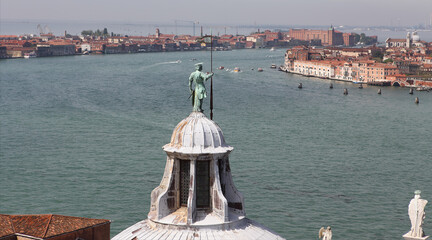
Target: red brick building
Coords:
[(328, 37), (349, 39)]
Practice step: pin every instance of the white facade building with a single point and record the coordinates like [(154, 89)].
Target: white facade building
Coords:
[(319, 69)]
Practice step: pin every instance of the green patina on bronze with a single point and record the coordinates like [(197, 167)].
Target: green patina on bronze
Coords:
[(199, 93)]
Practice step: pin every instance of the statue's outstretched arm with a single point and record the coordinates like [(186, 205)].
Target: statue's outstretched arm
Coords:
[(207, 76)]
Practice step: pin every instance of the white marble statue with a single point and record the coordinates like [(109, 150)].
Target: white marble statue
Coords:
[(325, 234), (416, 214)]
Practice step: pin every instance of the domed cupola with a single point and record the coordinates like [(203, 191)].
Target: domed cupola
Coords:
[(197, 134), (197, 184)]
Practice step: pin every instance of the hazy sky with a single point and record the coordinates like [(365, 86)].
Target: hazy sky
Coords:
[(226, 12)]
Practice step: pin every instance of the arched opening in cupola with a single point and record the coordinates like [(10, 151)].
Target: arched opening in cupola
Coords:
[(184, 182), (203, 184)]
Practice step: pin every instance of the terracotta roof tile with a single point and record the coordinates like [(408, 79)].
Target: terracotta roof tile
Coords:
[(6, 227), (33, 225), (44, 225), (62, 224)]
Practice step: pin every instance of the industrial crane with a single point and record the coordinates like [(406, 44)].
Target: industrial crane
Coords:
[(193, 24)]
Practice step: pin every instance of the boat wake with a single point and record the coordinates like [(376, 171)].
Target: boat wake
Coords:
[(161, 63)]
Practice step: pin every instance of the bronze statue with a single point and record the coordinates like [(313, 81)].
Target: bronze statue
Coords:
[(199, 92)]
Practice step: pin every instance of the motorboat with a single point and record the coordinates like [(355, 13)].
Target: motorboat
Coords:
[(236, 69), (30, 55), (260, 69), (423, 89)]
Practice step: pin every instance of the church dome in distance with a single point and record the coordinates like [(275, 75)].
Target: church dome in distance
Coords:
[(415, 37), (197, 134)]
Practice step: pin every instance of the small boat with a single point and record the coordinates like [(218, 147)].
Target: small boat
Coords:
[(423, 89), (221, 67), (273, 66), (272, 49), (30, 55), (358, 82), (260, 70), (236, 69)]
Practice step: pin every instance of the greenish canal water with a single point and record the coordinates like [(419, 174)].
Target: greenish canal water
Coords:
[(82, 136)]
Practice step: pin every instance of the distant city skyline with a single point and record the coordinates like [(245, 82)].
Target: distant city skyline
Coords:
[(224, 12)]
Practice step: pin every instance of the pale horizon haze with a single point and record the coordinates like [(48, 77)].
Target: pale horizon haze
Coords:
[(224, 12)]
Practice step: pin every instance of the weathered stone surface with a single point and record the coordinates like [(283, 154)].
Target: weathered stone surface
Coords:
[(416, 214)]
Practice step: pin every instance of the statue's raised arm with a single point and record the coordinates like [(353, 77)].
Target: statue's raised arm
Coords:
[(198, 93)]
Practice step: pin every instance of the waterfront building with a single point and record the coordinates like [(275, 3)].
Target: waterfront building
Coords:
[(371, 72), (55, 48), (301, 53), (52, 227), (340, 64), (97, 46), (321, 69), (328, 37), (196, 198), (346, 71), (258, 39), (3, 52)]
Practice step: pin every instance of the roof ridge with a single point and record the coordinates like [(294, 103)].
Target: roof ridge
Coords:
[(12, 223), (46, 230)]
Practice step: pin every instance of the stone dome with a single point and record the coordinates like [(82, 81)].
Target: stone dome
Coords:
[(415, 37), (197, 134), (244, 229)]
